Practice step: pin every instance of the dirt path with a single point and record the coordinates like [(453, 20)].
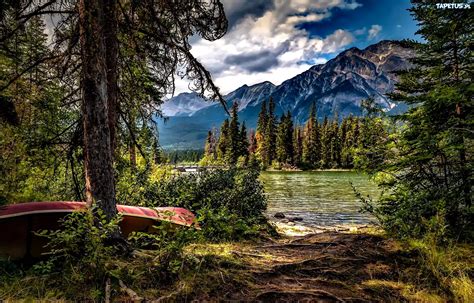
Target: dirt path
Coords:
[(326, 267)]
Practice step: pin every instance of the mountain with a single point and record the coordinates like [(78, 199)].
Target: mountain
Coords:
[(184, 104), (337, 87)]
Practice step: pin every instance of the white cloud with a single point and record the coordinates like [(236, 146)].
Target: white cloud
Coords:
[(374, 31), (336, 40), (272, 33)]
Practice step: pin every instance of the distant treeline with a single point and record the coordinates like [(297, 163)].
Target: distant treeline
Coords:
[(184, 156), (279, 143)]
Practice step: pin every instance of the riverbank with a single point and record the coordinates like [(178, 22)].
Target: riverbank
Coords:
[(293, 169)]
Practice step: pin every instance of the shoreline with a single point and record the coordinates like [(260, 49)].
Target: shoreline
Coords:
[(311, 170)]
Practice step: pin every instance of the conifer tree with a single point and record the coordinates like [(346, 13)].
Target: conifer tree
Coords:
[(210, 149), (262, 118), (289, 148), (84, 50), (325, 143), (344, 134), (281, 154), (223, 143), (234, 139), (261, 148), (252, 143), (432, 158), (312, 142), (243, 141), (335, 148), (297, 146), (270, 134)]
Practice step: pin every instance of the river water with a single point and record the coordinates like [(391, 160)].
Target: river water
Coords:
[(319, 198)]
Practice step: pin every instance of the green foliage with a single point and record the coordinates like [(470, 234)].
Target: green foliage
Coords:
[(311, 152), (184, 156), (450, 265), (284, 140), (231, 146), (223, 144), (85, 254), (132, 184), (229, 203), (34, 124), (79, 259), (270, 134), (350, 143), (234, 149), (430, 158)]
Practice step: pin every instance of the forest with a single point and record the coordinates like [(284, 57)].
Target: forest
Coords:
[(278, 143), (79, 99)]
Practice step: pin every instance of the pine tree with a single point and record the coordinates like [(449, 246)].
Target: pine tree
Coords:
[(312, 142), (262, 118), (223, 143), (281, 155), (297, 146), (90, 67), (432, 159), (234, 139), (210, 150), (289, 139), (252, 143), (335, 144), (270, 134), (325, 144), (344, 134), (243, 141), (262, 150)]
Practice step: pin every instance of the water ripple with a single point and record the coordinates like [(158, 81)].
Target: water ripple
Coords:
[(322, 198)]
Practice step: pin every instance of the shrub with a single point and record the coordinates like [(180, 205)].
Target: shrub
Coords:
[(229, 203), (83, 259)]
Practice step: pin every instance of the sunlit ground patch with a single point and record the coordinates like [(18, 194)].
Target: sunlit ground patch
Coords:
[(292, 229)]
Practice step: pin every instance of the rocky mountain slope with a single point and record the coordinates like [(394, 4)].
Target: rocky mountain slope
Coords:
[(338, 86)]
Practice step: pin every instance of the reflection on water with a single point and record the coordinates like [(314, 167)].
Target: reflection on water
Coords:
[(320, 198)]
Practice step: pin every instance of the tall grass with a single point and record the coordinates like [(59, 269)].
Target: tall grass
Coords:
[(450, 266)]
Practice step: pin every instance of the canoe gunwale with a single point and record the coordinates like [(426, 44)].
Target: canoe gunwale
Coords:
[(168, 214)]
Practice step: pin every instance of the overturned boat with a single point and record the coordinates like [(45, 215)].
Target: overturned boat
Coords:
[(20, 222)]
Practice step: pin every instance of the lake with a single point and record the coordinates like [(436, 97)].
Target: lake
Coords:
[(320, 198)]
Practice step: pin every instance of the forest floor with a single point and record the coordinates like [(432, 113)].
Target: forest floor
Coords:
[(329, 266), (324, 267)]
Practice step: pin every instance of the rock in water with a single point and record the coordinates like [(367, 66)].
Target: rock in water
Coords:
[(279, 215), (296, 219)]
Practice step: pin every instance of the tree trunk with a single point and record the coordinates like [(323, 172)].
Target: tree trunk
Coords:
[(99, 173), (111, 53)]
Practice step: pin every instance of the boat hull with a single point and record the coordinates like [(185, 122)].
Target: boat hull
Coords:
[(20, 222)]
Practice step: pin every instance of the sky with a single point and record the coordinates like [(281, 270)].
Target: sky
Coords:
[(274, 40)]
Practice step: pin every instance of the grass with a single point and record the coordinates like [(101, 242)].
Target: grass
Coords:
[(208, 271), (407, 290), (201, 269), (448, 268), (451, 267)]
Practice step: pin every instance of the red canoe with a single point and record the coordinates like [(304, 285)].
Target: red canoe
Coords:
[(18, 222)]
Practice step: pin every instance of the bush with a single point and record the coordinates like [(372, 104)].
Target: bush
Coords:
[(229, 203), (80, 256), (84, 257), (412, 213)]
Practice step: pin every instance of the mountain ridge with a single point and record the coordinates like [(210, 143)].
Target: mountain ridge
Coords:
[(336, 86)]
